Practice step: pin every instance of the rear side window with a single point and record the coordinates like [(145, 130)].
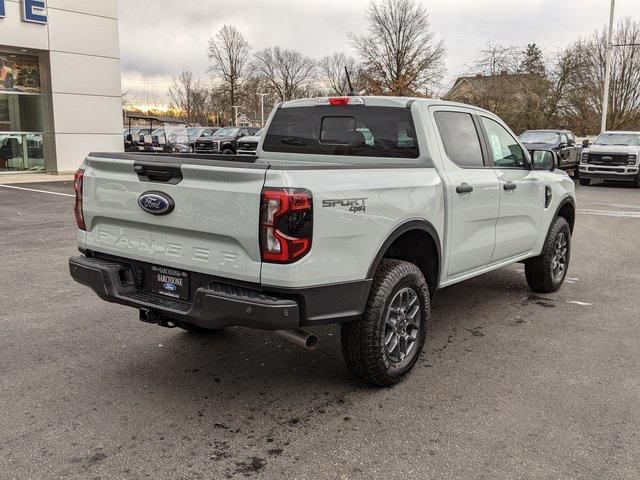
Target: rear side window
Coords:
[(460, 138), (354, 130)]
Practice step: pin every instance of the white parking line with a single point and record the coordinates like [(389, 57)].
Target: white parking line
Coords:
[(38, 191), (610, 213), (582, 304)]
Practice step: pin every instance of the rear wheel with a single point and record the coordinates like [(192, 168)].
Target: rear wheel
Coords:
[(585, 182), (384, 345), (546, 273), (228, 151)]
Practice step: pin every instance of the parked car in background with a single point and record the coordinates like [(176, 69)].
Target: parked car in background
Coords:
[(249, 145), (614, 156), (196, 133), (224, 141), (563, 142)]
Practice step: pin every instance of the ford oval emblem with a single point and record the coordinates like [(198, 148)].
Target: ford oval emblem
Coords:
[(156, 203), (170, 287)]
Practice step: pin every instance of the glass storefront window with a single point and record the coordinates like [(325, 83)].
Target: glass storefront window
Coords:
[(21, 132), (21, 114), (21, 151)]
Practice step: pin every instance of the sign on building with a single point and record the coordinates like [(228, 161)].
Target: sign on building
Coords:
[(33, 11)]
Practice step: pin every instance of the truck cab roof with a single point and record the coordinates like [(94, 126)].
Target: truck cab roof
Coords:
[(380, 101)]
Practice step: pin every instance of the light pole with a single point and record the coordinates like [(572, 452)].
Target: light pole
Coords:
[(235, 113), (607, 70), (262, 95)]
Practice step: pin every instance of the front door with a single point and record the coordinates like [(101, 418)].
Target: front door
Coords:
[(521, 193), (473, 194)]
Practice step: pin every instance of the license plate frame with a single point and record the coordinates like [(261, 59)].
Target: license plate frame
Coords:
[(170, 282)]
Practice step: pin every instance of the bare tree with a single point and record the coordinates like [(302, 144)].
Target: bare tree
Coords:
[(190, 97), (624, 107), (579, 78), (566, 94), (495, 59), (399, 51), (332, 71), (285, 72), (181, 92), (229, 56)]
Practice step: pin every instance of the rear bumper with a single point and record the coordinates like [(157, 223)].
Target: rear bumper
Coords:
[(220, 305)]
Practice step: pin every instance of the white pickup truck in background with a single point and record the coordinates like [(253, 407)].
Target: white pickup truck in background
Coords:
[(355, 211), (613, 156)]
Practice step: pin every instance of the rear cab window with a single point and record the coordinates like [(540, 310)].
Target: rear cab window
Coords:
[(353, 130), (460, 138)]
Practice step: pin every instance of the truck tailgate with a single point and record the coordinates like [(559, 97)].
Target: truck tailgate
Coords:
[(213, 228)]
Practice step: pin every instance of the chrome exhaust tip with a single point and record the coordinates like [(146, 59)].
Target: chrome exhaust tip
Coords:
[(300, 338)]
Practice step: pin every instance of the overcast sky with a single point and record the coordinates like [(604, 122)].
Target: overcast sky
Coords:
[(160, 38)]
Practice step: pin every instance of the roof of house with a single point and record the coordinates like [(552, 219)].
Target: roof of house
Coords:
[(482, 82)]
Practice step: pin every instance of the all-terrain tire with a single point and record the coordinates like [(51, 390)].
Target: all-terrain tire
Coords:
[(540, 271), (363, 340)]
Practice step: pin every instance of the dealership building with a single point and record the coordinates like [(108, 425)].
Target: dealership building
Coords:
[(60, 92)]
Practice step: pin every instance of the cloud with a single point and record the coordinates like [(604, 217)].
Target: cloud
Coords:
[(160, 38)]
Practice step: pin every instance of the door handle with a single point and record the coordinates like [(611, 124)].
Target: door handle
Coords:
[(464, 188), (509, 186)]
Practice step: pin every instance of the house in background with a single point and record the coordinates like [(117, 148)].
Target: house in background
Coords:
[(507, 95)]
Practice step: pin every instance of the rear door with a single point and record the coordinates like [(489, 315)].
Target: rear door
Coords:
[(213, 228), (472, 192), (521, 193)]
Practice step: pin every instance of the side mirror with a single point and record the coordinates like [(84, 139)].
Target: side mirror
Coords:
[(585, 143), (129, 138), (544, 160), (571, 143)]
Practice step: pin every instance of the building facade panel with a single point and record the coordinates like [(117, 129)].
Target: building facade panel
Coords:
[(84, 74), (14, 32), (70, 149), (81, 33), (92, 7), (60, 93)]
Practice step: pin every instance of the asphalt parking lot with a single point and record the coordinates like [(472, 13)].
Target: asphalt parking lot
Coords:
[(511, 385)]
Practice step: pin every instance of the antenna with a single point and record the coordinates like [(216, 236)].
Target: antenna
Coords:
[(351, 92)]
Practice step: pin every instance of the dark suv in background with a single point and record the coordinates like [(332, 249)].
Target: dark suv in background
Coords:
[(224, 141), (563, 142)]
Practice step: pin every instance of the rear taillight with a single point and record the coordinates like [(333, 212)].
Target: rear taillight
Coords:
[(78, 181), (286, 224)]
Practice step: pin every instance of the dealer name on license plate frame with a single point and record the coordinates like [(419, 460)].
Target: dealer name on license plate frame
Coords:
[(169, 282)]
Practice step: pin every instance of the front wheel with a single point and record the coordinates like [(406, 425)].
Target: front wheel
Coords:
[(228, 151), (546, 273), (384, 345), (585, 182)]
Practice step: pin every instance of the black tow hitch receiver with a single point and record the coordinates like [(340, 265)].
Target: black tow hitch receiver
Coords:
[(149, 316)]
